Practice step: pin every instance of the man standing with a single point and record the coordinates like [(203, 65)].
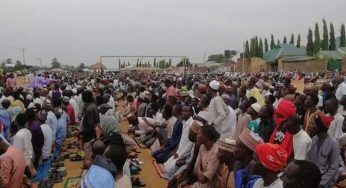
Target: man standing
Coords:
[(12, 162), (341, 90), (325, 152), (22, 139), (217, 109), (230, 122), (331, 108), (301, 140), (90, 120), (52, 121), (280, 134)]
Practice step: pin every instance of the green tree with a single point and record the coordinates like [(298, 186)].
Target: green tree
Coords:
[(317, 42), (169, 62), (332, 44), (265, 45), (140, 63), (137, 64), (128, 63), (285, 40), (278, 43), (325, 40), (155, 62), (55, 63), (9, 61), (81, 66), (310, 44), (19, 65), (272, 42), (260, 48), (342, 36), (247, 49), (182, 63), (292, 39), (298, 42), (219, 58)]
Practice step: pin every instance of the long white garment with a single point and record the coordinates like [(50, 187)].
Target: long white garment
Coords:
[(111, 102), (217, 112), (52, 122), (301, 145), (22, 140), (48, 141), (229, 124), (335, 129), (75, 107), (184, 150)]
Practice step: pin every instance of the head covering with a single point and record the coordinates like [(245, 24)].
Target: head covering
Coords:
[(226, 144), (256, 107), (326, 120), (41, 116), (215, 85), (66, 99), (103, 108), (195, 126), (141, 96), (29, 97), (272, 156), (286, 109), (250, 139), (47, 105), (98, 177), (147, 95), (259, 85), (74, 91), (58, 111)]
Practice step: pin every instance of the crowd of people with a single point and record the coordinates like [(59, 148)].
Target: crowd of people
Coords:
[(239, 130)]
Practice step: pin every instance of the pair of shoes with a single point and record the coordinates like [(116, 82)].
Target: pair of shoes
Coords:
[(136, 182), (76, 158)]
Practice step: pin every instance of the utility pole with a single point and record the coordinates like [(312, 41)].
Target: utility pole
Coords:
[(23, 50), (40, 59)]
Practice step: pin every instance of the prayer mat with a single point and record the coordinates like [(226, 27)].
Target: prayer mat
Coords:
[(159, 168), (72, 182)]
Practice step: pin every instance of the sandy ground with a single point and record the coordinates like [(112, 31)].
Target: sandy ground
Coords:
[(148, 175)]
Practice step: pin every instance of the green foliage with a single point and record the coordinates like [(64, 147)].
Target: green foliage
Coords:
[(317, 42), (219, 58), (298, 41), (55, 63), (183, 63), (332, 44), (292, 39), (266, 45), (272, 42), (81, 66), (310, 44), (247, 49), (325, 36), (342, 36), (285, 40), (278, 43), (260, 49)]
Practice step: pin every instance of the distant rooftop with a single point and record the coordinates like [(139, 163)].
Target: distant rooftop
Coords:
[(98, 65), (283, 50)]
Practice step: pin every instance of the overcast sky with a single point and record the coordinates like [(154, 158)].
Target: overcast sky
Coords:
[(76, 31)]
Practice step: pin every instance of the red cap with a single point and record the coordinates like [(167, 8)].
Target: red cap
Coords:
[(326, 120)]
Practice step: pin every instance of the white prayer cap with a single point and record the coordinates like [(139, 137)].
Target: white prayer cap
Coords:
[(256, 107), (215, 85), (74, 91)]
